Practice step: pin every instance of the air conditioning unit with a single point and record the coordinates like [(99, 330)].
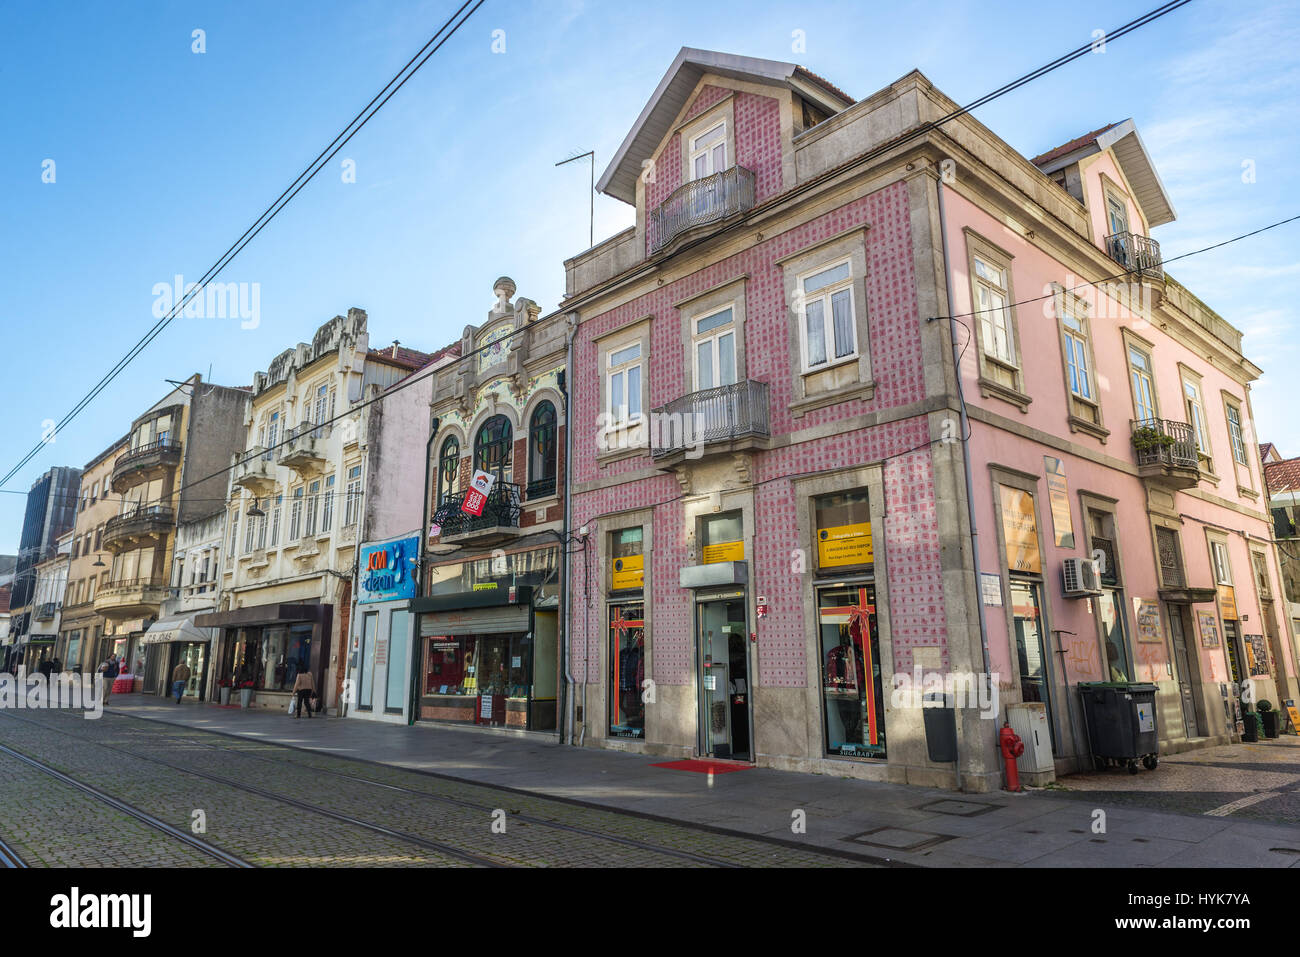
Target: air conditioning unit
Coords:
[(1081, 577)]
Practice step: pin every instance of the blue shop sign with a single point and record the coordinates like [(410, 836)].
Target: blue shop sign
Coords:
[(386, 572)]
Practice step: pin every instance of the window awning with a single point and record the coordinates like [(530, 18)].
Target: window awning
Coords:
[(175, 628)]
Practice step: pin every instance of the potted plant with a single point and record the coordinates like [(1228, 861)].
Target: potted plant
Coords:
[(1148, 438), (1269, 718), (223, 689), (1250, 730), (246, 694)]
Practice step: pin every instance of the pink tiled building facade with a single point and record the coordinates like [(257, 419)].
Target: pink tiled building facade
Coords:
[(848, 399)]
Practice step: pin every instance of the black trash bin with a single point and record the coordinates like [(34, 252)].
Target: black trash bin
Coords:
[(1121, 720), (940, 727)]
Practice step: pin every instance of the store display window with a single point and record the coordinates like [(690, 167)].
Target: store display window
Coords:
[(627, 670), (852, 701)]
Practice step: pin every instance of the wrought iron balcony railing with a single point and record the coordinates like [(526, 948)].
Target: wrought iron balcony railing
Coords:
[(722, 414), (144, 518), (145, 451), (706, 200), (1165, 442), (1136, 253), (500, 511)]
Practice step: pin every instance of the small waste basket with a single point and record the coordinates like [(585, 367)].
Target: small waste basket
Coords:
[(1120, 717), (940, 727)]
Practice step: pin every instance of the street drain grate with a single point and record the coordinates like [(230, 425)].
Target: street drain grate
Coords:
[(898, 838), (958, 808)]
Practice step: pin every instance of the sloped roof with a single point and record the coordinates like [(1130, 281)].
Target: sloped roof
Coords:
[(1123, 140), (670, 96), (1268, 449), (1282, 476)]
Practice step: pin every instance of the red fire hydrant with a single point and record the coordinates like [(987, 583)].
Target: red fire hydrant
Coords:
[(1012, 748)]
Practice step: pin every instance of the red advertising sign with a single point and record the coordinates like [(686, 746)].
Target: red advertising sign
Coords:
[(476, 497)]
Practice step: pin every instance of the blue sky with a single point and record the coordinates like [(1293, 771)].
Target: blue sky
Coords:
[(164, 156)]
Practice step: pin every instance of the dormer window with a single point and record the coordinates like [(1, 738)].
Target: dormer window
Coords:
[(709, 152)]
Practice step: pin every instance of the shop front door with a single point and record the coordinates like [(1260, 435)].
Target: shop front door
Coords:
[(1183, 663), (723, 676)]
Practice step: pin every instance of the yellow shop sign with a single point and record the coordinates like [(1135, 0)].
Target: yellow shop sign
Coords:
[(627, 572), (845, 545), (724, 552)]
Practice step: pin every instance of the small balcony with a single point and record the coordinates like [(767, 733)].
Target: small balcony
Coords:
[(700, 202), (304, 449), (47, 611), (1166, 453), (144, 463), (131, 528), (254, 470), (730, 418), (135, 598), (1137, 254), (498, 523)]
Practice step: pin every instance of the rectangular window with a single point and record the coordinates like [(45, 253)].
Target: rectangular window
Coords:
[(1196, 415), (1144, 404), (234, 532), (715, 350), (327, 506), (1076, 357), (843, 523), (623, 384), (827, 326), (721, 538), (250, 532), (295, 515), (352, 504), (1235, 435), (709, 152), (275, 520), (853, 705), (991, 298), (313, 497), (261, 532), (1222, 570)]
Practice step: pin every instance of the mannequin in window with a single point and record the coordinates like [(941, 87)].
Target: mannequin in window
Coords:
[(631, 676), (845, 676)]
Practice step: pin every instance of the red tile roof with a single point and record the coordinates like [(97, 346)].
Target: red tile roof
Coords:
[(1067, 148), (825, 83), (1282, 476), (1266, 449), (411, 358)]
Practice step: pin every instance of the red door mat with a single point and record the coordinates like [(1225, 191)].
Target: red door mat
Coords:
[(703, 767)]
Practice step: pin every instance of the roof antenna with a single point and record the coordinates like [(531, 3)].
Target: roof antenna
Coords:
[(591, 199)]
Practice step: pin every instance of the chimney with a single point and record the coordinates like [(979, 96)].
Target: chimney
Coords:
[(395, 345)]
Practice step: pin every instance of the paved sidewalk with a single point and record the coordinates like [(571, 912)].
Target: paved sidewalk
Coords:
[(907, 825)]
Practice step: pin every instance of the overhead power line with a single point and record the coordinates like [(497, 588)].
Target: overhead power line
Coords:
[(444, 33)]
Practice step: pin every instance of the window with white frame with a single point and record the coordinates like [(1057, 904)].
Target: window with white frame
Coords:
[(327, 506), (250, 531), (991, 297), (324, 408), (1144, 387), (295, 515), (1235, 434), (1076, 357), (234, 531), (827, 328), (1196, 415), (708, 151), (276, 508), (352, 504), (623, 384), (313, 497), (272, 435), (714, 344), (261, 531), (1222, 570)]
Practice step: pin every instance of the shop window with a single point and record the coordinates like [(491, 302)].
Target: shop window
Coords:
[(853, 707), (626, 670), (627, 560), (448, 469), (493, 447), (843, 522), (721, 538), (542, 451)]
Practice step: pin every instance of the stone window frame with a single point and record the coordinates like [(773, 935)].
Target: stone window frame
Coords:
[(1131, 340), (1112, 190), (634, 437), (986, 249), (704, 304), (1230, 401), (1214, 537), (852, 245), (1266, 593), (1090, 502), (1174, 526), (1064, 301)]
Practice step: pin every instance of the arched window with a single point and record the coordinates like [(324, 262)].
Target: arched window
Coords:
[(492, 448), (542, 451), (448, 469)]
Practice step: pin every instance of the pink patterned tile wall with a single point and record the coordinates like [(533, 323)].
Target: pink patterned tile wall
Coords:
[(910, 534), (758, 141), (706, 98)]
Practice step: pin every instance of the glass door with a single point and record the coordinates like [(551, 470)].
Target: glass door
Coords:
[(399, 629), (724, 678), (366, 675), (1031, 648)]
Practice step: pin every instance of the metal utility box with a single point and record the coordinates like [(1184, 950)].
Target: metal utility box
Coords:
[(1029, 721)]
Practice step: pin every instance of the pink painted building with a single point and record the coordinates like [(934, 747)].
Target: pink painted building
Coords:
[(786, 526)]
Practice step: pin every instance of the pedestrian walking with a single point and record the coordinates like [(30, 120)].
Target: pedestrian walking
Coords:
[(304, 686), (180, 678), (110, 670)]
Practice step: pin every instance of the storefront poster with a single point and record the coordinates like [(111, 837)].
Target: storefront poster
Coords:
[(845, 545), (1256, 655), (1208, 626), (1147, 613), (1227, 602), (1058, 493), (1020, 530), (627, 572), (388, 570), (724, 552)]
